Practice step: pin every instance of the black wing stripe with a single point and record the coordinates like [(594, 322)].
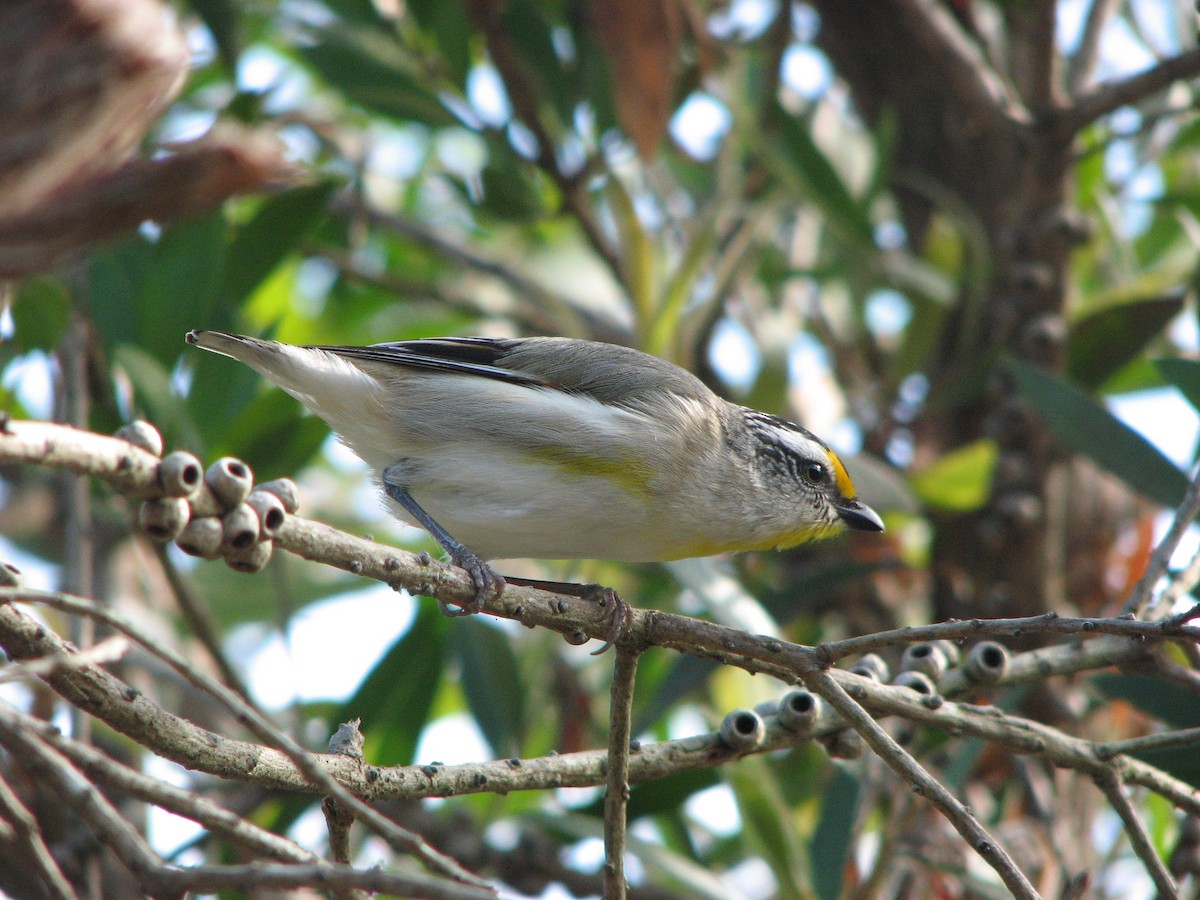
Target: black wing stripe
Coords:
[(467, 356)]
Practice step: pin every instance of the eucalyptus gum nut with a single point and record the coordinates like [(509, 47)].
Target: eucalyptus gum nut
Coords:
[(287, 492), (916, 681), (250, 559), (11, 576), (270, 511), (180, 474), (743, 729), (142, 434), (987, 662), (241, 529), (924, 657), (164, 518), (872, 665), (230, 480), (798, 710), (201, 537), (844, 744)]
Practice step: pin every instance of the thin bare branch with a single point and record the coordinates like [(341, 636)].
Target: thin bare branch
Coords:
[(1109, 97), (1189, 508), (109, 650), (115, 776), (1110, 784), (401, 840), (1083, 63), (617, 797), (25, 831), (1164, 740), (976, 836), (200, 621)]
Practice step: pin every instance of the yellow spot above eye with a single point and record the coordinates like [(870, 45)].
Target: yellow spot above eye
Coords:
[(841, 477)]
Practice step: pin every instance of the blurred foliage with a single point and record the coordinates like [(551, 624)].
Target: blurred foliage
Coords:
[(470, 172)]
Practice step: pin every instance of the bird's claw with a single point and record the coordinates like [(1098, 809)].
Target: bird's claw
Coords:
[(489, 585), (619, 612)]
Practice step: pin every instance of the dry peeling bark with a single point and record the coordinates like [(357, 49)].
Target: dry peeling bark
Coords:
[(81, 83)]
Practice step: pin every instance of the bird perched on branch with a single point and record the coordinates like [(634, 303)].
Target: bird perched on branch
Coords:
[(552, 448)]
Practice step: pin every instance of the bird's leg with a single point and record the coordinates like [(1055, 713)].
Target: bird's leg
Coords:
[(618, 609), (488, 583)]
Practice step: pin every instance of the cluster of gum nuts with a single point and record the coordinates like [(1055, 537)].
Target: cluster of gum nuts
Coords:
[(213, 512)]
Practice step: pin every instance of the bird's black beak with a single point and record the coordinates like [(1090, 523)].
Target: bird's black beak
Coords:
[(859, 516)]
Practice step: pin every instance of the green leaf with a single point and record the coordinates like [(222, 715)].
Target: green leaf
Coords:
[(273, 435), (1102, 343), (222, 19), (270, 237), (394, 700), (179, 284), (1184, 375), (510, 191), (1173, 705), (830, 844), (235, 598), (41, 313), (1170, 704), (447, 22), (532, 32), (491, 681), (370, 69), (154, 397), (1089, 429), (799, 161), (661, 795), (768, 824), (115, 276), (960, 480)]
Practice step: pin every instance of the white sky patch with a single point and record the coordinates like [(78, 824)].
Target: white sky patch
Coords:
[(1121, 52), (326, 652), (585, 856), (29, 378), (310, 830), (1069, 27), (166, 831), (259, 69), (700, 124), (806, 71), (488, 98), (181, 124), (1164, 418), (716, 810), (398, 152), (452, 740), (462, 152), (888, 313), (1173, 426), (202, 47), (754, 879), (745, 19), (262, 70), (734, 355)]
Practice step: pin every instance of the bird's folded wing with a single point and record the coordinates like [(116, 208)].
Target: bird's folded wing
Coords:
[(464, 356), (606, 373)]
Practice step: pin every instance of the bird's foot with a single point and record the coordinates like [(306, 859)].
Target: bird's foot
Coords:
[(489, 584), (618, 611)]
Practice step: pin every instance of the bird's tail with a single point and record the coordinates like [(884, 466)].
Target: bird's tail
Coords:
[(298, 370)]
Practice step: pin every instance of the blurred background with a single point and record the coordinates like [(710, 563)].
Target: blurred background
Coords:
[(957, 239)]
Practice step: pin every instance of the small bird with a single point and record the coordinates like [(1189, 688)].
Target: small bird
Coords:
[(553, 448)]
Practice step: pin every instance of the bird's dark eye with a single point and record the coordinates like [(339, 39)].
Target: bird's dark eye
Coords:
[(814, 473)]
